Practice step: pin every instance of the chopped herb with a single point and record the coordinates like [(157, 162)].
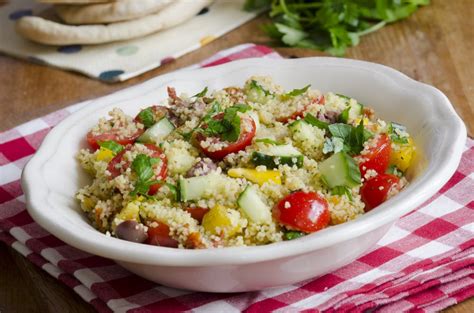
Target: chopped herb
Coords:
[(227, 128), (343, 96), (342, 190), (353, 137), (111, 145), (297, 92), (147, 117), (215, 108), (290, 235), (258, 87), (142, 165), (392, 169), (344, 116), (201, 94), (312, 120), (174, 191), (395, 130)]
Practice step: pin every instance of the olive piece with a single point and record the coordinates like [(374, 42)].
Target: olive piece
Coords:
[(131, 231)]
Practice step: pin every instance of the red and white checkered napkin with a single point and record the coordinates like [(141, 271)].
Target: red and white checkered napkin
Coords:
[(424, 263)]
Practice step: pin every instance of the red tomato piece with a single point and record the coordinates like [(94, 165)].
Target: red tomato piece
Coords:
[(158, 113), (300, 114), (375, 191), (378, 156), (243, 141), (160, 236), (161, 168), (303, 211), (197, 213)]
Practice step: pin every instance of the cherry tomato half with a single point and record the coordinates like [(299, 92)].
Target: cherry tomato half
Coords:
[(158, 112), (378, 156), (245, 139), (197, 213), (375, 191), (93, 140), (160, 169), (300, 113), (160, 236), (303, 211)]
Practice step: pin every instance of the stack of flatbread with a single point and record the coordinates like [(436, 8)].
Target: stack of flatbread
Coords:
[(102, 21)]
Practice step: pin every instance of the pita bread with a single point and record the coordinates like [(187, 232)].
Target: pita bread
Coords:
[(47, 32), (74, 1), (103, 13)]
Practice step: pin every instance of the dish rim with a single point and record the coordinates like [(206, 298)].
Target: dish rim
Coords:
[(420, 190)]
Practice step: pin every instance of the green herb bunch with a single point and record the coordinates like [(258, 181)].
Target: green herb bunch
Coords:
[(330, 25)]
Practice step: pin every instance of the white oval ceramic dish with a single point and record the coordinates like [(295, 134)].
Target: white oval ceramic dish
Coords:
[(52, 177)]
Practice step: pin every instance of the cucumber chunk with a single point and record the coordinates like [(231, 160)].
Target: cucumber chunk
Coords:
[(156, 133), (275, 155), (195, 188), (355, 110), (340, 170), (253, 206)]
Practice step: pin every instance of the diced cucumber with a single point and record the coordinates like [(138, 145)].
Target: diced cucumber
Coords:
[(304, 129), (340, 170), (254, 207), (355, 110), (275, 155), (194, 188), (156, 133)]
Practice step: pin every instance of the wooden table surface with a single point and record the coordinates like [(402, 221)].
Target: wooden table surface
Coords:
[(434, 46)]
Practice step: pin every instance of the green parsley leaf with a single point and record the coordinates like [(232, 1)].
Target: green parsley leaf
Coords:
[(342, 190), (340, 130), (392, 169), (344, 116), (201, 94), (174, 191), (297, 92), (330, 25), (312, 120), (142, 166), (147, 117), (395, 130), (111, 145), (258, 87), (290, 235)]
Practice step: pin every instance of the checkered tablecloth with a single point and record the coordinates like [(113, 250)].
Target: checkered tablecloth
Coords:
[(425, 262)]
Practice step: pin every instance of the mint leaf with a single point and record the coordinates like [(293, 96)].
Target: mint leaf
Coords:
[(142, 166), (312, 120), (353, 137), (147, 117), (111, 145), (340, 130), (201, 94)]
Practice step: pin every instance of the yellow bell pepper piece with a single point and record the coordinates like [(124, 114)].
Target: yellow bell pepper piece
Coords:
[(87, 204), (257, 177), (130, 211), (402, 155), (104, 154), (365, 121), (221, 221)]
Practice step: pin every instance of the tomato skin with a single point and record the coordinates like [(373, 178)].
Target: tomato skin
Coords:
[(93, 140), (160, 236), (378, 157), (159, 112), (197, 213), (160, 172), (307, 211), (375, 191), (244, 140), (300, 114)]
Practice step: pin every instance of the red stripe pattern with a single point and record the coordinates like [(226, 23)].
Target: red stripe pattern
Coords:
[(425, 263)]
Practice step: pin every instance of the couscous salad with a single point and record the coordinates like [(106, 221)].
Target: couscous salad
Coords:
[(240, 166)]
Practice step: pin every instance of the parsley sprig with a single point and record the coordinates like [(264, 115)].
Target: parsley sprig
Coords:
[(330, 25), (142, 165), (353, 138), (227, 128)]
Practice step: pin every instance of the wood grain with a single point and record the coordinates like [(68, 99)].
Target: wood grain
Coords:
[(434, 46)]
